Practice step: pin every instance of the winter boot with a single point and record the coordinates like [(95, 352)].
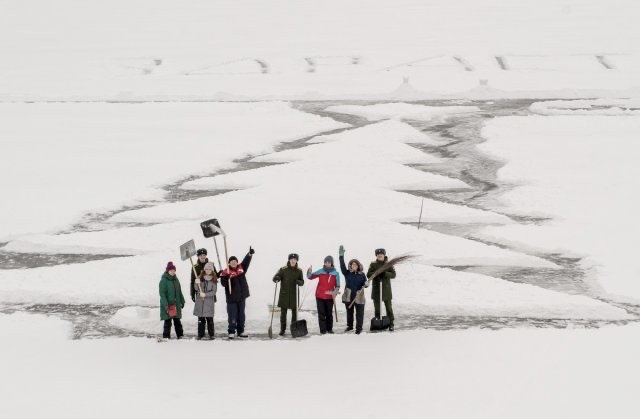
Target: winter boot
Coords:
[(281, 332), (201, 324), (243, 335), (211, 330), (348, 329)]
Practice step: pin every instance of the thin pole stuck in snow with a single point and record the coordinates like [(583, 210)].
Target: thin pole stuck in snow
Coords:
[(420, 218)]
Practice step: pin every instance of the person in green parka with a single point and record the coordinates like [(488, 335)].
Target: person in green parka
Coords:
[(171, 293), (289, 276), (384, 279)]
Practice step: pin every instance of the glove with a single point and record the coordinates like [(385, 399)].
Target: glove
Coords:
[(333, 293), (276, 279), (251, 251), (193, 298), (341, 250)]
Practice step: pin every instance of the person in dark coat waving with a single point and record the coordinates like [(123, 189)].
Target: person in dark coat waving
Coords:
[(236, 291), (289, 276), (353, 296)]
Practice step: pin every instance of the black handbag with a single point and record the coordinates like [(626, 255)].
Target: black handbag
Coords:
[(299, 327)]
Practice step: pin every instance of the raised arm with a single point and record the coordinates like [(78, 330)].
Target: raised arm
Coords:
[(343, 267), (246, 261)]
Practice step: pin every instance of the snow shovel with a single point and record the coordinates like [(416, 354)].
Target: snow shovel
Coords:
[(272, 309), (335, 307), (211, 228), (381, 323), (187, 251), (299, 327)]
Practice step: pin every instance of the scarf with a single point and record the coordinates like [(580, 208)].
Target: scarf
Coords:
[(232, 273)]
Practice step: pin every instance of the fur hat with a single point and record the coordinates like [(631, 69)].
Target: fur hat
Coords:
[(356, 261), (208, 265), (294, 256)]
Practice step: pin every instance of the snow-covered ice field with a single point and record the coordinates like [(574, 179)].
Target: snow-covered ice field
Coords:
[(496, 141)]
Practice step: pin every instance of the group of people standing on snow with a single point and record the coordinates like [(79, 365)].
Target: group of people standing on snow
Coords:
[(205, 279)]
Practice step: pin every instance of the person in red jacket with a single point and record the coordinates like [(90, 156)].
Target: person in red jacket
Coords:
[(328, 288)]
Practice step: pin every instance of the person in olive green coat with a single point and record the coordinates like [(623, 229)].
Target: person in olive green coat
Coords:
[(171, 293), (384, 279), (289, 276)]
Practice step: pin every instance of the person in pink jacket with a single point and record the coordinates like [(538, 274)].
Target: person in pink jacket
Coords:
[(328, 287)]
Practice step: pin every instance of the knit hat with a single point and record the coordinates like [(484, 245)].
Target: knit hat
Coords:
[(209, 266), (233, 258), (294, 256), (202, 251), (328, 259), (170, 267), (380, 250)]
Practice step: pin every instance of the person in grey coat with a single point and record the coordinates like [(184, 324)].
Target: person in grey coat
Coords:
[(205, 285)]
